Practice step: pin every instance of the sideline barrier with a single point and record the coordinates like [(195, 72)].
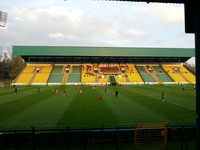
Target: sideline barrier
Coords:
[(174, 137)]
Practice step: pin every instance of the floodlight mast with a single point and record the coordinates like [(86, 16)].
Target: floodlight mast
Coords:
[(192, 25), (3, 18)]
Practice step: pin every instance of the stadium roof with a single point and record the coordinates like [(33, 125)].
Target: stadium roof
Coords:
[(102, 51)]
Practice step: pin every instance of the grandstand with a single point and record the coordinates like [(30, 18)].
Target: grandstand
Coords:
[(100, 66), (56, 76)]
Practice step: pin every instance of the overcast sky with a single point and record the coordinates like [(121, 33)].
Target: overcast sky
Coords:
[(93, 23)]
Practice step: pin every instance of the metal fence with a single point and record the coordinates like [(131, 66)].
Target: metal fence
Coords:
[(177, 137)]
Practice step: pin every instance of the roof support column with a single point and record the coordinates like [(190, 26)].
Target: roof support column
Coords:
[(197, 57)]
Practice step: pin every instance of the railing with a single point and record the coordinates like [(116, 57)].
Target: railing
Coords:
[(177, 137)]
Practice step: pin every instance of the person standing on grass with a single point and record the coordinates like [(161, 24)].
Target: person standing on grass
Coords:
[(81, 92), (163, 96), (183, 87), (116, 94), (15, 90), (64, 91), (57, 91)]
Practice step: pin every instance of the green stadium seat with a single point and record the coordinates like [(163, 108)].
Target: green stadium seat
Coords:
[(74, 78)]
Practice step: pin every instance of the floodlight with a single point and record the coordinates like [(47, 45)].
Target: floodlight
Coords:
[(3, 18)]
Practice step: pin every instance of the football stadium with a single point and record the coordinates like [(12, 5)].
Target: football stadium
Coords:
[(77, 97), (101, 88)]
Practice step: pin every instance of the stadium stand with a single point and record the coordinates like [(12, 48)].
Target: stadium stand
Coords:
[(122, 78), (46, 69), (174, 72), (41, 74), (34, 74), (158, 69), (40, 78), (103, 74), (99, 65), (74, 75), (103, 79), (162, 76), (29, 69), (56, 76), (57, 69), (24, 79), (141, 69), (74, 78), (109, 69), (187, 74), (146, 75), (25, 76), (133, 75), (76, 69), (88, 75), (88, 79)]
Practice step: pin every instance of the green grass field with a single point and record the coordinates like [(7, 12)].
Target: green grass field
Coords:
[(140, 104)]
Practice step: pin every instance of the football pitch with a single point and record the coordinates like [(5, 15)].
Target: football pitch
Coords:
[(138, 104)]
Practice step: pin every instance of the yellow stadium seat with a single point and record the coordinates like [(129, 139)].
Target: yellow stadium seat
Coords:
[(46, 69), (29, 69), (103, 80), (121, 79), (133, 74), (175, 75), (187, 74), (41, 78), (88, 78), (24, 78)]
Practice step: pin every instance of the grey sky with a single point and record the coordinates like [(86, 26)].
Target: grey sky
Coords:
[(93, 23)]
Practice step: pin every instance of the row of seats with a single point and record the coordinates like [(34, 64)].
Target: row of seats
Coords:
[(179, 74), (133, 75), (88, 74), (94, 74)]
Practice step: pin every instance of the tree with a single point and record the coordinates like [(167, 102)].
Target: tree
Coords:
[(1, 64), (5, 66), (17, 63), (10, 66)]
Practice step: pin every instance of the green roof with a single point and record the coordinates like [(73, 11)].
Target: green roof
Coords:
[(102, 51)]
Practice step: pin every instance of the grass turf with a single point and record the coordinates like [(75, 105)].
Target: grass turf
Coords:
[(140, 104)]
